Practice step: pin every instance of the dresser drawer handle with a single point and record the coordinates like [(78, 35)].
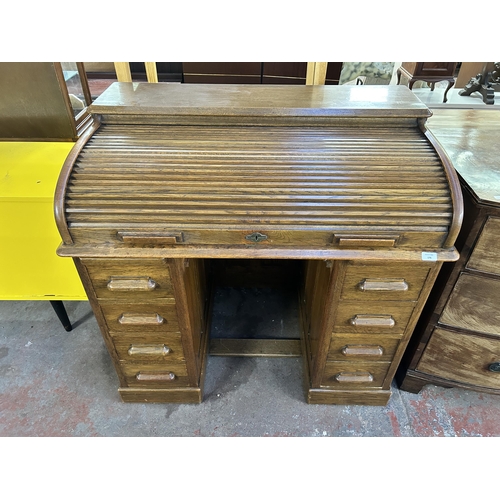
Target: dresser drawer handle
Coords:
[(355, 377), (367, 320), (494, 367), (366, 241), (140, 319), (138, 238), (156, 377), (374, 285), (119, 284), (149, 350), (362, 350)]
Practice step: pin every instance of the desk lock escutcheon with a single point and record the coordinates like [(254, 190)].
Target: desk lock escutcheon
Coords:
[(256, 237)]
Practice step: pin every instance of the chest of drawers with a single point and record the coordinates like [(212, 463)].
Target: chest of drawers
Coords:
[(345, 182), (457, 340)]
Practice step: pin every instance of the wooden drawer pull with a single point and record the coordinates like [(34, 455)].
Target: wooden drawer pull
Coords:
[(367, 320), (149, 350), (362, 350), (119, 284), (140, 319), (139, 238), (155, 377), (366, 241), (375, 285), (355, 377)]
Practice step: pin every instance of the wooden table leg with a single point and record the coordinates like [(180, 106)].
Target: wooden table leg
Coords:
[(58, 307)]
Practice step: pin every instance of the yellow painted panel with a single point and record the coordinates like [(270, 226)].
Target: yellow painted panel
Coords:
[(29, 266), (30, 169)]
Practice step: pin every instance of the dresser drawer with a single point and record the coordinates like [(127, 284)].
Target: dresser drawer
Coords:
[(154, 348), (474, 305), (129, 279), (485, 256), (141, 317), (460, 357), (354, 375), (372, 317), (384, 282), (256, 236), (361, 347), (155, 375)]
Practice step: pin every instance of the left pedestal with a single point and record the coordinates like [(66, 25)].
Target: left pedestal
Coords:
[(152, 315)]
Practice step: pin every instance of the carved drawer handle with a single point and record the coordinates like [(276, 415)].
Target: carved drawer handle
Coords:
[(156, 377), (368, 320), (494, 367), (362, 350), (366, 241), (375, 285), (142, 284), (149, 350), (140, 319), (355, 377), (139, 238)]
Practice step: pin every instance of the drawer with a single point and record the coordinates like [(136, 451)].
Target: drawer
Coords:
[(155, 375), (166, 348), (258, 237), (473, 305), (462, 358), (354, 375), (129, 278), (363, 347), (141, 317), (372, 317), (384, 282), (485, 256)]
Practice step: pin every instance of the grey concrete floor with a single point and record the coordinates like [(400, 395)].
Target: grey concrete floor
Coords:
[(58, 383)]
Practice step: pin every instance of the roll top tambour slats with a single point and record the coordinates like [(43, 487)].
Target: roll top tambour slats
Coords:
[(258, 177)]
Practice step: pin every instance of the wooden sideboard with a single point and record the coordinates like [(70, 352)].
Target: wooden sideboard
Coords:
[(457, 340), (430, 72), (344, 182)]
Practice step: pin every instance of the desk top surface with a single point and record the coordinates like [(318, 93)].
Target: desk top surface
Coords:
[(471, 138), (259, 100)]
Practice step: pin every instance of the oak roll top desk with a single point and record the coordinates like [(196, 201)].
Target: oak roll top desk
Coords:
[(345, 182)]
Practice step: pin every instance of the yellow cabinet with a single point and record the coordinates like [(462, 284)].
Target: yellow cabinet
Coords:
[(29, 266)]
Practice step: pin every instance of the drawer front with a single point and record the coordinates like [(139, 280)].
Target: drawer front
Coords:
[(155, 375), (384, 282), (485, 256), (462, 358), (474, 305), (362, 347), (141, 317), (346, 375), (372, 317), (260, 237), (156, 348), (129, 279)]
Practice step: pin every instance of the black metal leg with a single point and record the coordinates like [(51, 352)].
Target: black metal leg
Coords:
[(61, 314)]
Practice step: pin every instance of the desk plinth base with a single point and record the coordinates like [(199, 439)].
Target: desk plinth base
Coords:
[(181, 395), (326, 396)]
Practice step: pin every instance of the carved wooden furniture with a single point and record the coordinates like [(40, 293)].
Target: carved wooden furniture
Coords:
[(457, 340), (486, 83), (344, 181), (430, 72)]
